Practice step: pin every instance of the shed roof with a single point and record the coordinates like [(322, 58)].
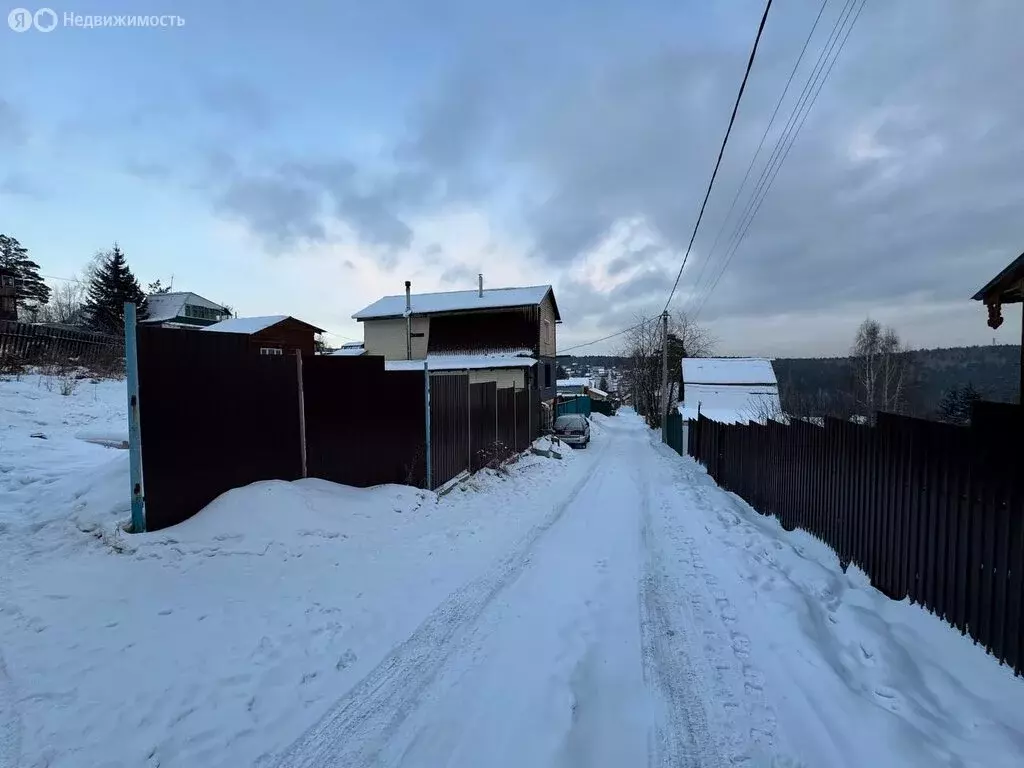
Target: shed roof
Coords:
[(250, 325), (461, 362), (457, 301), (1007, 286), (730, 403), (345, 351), (573, 381), (728, 370)]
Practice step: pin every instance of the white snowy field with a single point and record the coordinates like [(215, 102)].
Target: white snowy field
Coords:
[(614, 608)]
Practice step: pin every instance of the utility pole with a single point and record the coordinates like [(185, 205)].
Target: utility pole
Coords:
[(664, 371)]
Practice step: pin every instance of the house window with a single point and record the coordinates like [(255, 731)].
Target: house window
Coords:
[(271, 351)]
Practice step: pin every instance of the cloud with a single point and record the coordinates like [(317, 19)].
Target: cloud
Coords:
[(19, 185), (576, 145), (13, 128), (294, 200)]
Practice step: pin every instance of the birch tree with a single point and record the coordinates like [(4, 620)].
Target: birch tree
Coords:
[(880, 364)]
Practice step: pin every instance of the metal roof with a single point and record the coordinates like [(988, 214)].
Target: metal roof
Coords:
[(457, 301)]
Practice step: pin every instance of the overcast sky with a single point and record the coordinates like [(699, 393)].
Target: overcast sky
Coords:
[(307, 157)]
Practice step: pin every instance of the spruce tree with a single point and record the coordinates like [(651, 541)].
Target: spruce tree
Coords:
[(30, 289), (112, 285), (957, 404)]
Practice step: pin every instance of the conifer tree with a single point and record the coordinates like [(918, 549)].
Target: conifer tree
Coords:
[(30, 289), (111, 286)]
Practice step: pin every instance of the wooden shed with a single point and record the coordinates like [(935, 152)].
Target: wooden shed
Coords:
[(1006, 288), (272, 334)]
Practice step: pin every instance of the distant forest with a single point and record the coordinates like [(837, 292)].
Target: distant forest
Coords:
[(994, 371)]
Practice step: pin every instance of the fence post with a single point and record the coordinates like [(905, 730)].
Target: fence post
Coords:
[(469, 422), (302, 412), (134, 425), (426, 402), (515, 419)]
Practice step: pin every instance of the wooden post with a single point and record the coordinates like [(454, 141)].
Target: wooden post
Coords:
[(302, 412), (131, 360)]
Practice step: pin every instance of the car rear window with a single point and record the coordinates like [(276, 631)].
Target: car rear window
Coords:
[(568, 421)]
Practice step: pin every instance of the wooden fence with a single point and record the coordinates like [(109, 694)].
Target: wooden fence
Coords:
[(216, 416), (928, 510), (31, 344)]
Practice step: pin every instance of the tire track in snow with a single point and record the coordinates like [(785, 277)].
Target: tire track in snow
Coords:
[(361, 724), (671, 666), (10, 722)]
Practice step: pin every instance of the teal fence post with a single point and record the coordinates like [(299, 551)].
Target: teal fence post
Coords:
[(131, 362), (426, 403)]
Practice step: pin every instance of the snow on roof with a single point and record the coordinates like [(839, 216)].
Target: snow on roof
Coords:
[(167, 306), (598, 392), (246, 324), (348, 352), (731, 403), (728, 370), (454, 301), (461, 362), (352, 345), (577, 381)]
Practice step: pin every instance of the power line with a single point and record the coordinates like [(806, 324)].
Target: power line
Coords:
[(760, 145), (609, 336), (721, 151), (781, 157), (784, 136)]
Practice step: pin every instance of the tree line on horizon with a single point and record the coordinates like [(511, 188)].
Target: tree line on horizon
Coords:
[(880, 373)]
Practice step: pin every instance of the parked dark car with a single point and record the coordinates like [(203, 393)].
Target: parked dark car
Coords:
[(573, 429)]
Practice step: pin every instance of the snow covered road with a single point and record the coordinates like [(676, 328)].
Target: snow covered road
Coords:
[(614, 608), (656, 620)]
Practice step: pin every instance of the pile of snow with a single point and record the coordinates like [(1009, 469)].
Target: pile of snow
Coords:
[(220, 640), (828, 669)]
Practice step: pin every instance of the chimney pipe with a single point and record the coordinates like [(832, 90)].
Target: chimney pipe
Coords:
[(408, 321), (481, 285)]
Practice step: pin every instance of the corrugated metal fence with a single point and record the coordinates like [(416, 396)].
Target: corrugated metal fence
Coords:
[(579, 404), (216, 416), (928, 510), (30, 344)]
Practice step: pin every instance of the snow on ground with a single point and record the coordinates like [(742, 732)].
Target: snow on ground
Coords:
[(805, 661), (612, 608), (221, 639)]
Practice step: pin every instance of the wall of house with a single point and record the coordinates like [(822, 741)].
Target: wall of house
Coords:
[(548, 332), (286, 337), (505, 377), (387, 338)]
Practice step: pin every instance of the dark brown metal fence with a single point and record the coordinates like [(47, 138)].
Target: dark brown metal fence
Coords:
[(29, 344), (216, 416), (364, 425), (449, 425), (483, 424), (928, 510)]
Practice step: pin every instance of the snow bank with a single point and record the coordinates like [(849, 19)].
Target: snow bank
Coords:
[(218, 641), (848, 676)]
